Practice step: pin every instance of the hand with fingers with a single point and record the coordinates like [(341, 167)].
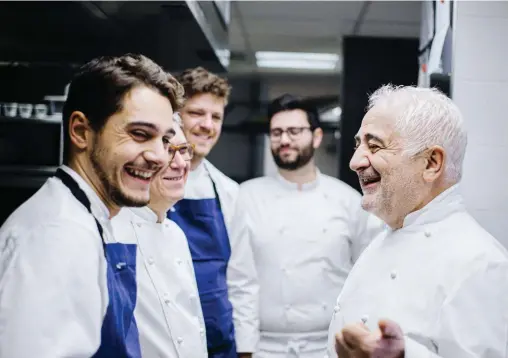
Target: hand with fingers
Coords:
[(357, 341)]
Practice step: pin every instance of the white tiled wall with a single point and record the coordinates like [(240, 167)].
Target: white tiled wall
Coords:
[(480, 88)]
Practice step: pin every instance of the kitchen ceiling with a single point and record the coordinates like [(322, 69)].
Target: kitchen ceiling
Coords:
[(313, 26)]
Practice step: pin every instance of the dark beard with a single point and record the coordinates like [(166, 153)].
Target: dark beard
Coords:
[(304, 156), (113, 192)]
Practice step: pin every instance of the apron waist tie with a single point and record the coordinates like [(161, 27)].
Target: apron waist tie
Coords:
[(295, 346)]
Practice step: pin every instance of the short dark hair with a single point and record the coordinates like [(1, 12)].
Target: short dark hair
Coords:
[(288, 102), (99, 87), (199, 80)]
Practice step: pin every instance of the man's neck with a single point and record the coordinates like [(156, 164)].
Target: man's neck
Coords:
[(160, 208), (304, 175), (195, 162), (85, 171), (434, 192)]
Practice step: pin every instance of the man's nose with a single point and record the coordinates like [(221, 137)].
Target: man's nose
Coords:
[(284, 138), (157, 154), (359, 160), (178, 161), (207, 122)]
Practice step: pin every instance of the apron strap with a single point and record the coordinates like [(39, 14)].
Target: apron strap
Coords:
[(80, 196), (214, 187)]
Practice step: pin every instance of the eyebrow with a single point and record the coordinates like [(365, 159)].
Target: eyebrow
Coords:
[(370, 136), (151, 126)]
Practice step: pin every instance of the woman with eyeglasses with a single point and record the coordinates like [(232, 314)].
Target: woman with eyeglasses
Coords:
[(168, 311)]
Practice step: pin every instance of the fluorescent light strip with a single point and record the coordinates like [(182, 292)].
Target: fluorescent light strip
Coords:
[(306, 56), (297, 64), (297, 60)]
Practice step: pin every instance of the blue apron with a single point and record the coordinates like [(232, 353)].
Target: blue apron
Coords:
[(119, 332), (203, 223)]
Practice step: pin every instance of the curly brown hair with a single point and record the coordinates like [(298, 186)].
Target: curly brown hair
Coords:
[(198, 80)]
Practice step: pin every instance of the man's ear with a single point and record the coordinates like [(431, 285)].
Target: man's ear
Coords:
[(317, 138), (79, 130), (435, 163)]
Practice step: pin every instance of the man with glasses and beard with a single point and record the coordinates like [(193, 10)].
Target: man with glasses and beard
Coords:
[(296, 237), (67, 287)]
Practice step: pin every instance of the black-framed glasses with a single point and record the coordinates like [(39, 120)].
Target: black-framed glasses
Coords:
[(292, 132), (186, 150)]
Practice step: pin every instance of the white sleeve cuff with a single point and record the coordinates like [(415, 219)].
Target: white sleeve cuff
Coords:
[(414, 349)]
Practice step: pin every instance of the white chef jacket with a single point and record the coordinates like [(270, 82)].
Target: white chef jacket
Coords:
[(199, 186), (53, 290), (442, 277), (292, 251), (168, 311)]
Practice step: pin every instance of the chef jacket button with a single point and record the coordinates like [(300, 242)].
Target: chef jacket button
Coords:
[(202, 331), (336, 309), (281, 230), (166, 225), (179, 340), (324, 306), (393, 274), (166, 298), (178, 261), (151, 261), (365, 318), (427, 233), (288, 307), (138, 224), (325, 230)]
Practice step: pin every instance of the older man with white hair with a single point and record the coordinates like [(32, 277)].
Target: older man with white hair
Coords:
[(168, 311), (435, 271)]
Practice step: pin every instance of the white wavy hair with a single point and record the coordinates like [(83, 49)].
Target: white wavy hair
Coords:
[(426, 117)]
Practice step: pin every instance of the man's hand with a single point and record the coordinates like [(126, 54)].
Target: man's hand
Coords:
[(244, 355), (356, 341)]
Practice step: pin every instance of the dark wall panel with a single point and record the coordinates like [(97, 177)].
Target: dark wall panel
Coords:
[(369, 63)]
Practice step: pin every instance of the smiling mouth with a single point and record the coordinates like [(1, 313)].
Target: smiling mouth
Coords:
[(139, 174), (369, 181), (202, 136), (175, 178)]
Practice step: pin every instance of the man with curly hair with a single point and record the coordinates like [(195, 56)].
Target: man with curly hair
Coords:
[(68, 288), (206, 210)]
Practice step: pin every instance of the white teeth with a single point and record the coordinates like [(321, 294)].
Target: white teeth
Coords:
[(176, 178), (140, 174)]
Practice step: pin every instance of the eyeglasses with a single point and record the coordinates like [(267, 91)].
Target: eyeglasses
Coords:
[(186, 150), (293, 132)]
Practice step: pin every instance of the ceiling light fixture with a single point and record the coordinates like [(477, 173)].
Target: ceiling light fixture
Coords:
[(297, 60)]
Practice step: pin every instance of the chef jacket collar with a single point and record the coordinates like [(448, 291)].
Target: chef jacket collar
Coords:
[(145, 213), (99, 209), (447, 202), (299, 187)]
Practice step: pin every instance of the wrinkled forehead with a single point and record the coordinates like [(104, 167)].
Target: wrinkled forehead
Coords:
[(289, 118), (378, 123), (179, 137)]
